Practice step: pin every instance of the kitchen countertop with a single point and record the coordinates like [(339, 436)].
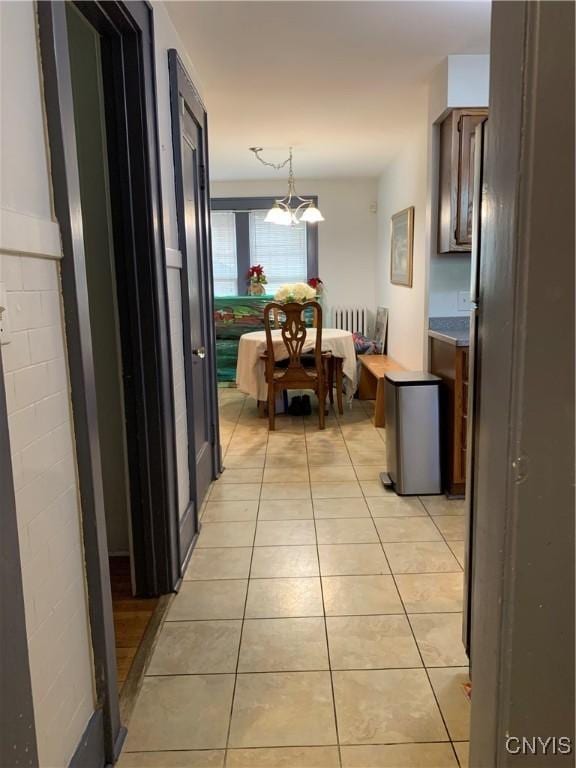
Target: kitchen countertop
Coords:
[(451, 330)]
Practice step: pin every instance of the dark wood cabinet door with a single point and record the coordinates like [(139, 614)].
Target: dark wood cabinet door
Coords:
[(445, 192), (456, 177), (451, 364), (465, 195)]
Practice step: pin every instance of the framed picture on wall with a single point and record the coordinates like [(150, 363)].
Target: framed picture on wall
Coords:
[(402, 247), (381, 328)]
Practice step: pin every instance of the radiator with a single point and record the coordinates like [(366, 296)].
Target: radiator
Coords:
[(353, 319)]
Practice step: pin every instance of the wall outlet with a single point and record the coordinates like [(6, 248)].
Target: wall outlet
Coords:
[(463, 301)]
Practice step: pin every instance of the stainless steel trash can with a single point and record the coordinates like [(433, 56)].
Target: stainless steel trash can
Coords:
[(413, 432)]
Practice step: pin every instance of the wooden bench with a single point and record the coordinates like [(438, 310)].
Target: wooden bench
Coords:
[(373, 368)]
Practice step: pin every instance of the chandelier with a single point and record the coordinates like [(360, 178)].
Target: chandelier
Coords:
[(291, 209)]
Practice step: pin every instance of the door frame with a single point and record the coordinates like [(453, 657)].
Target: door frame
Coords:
[(182, 88), (523, 589), (127, 31)]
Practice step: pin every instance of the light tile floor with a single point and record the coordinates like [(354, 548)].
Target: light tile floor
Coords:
[(319, 622)]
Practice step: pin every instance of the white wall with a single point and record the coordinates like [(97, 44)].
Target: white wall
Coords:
[(38, 401), (403, 184), (449, 276), (347, 240), (468, 80), (166, 37), (460, 80)]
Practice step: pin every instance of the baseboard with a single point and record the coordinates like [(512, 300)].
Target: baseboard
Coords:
[(186, 559), (187, 533)]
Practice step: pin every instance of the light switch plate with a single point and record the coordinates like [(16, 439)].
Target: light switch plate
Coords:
[(463, 301)]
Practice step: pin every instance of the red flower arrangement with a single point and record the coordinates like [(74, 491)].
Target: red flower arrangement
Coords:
[(317, 284), (256, 274)]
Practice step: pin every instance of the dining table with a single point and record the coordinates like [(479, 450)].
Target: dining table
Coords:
[(250, 369)]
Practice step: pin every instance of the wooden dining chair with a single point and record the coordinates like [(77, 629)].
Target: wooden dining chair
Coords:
[(294, 375), (336, 379), (278, 314)]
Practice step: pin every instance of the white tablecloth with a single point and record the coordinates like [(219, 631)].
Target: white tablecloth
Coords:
[(250, 377)]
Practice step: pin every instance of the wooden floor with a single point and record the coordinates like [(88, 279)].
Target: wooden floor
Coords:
[(131, 615)]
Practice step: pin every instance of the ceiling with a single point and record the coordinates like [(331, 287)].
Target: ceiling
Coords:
[(342, 82)]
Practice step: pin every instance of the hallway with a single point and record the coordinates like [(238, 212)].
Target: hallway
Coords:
[(319, 621)]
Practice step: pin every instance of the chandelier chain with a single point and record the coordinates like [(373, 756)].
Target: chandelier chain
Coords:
[(276, 166)]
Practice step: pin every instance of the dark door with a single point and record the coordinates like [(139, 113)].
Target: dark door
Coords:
[(474, 354), (523, 593), (192, 181), (192, 202)]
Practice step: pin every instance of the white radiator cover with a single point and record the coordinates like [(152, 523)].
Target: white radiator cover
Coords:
[(354, 319)]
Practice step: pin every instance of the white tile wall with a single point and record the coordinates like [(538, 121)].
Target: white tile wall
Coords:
[(176, 341), (47, 505)]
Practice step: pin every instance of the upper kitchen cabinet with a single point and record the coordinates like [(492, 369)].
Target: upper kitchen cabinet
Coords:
[(457, 179)]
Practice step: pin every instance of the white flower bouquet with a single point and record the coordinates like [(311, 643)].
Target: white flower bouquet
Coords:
[(295, 292)]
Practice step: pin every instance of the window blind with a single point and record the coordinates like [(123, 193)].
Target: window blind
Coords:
[(282, 251), (225, 262)]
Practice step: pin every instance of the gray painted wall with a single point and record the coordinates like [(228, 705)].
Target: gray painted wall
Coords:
[(90, 131)]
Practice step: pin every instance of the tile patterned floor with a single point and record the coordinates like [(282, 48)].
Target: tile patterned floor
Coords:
[(319, 622)]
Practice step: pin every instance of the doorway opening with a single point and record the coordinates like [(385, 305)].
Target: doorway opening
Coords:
[(113, 353)]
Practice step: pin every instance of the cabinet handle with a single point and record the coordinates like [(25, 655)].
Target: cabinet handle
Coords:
[(200, 352)]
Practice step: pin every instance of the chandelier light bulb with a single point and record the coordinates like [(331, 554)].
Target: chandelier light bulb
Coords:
[(312, 215), (278, 215), (275, 215), (288, 219)]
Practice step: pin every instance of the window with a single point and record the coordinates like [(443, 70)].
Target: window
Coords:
[(280, 250), (225, 262), (241, 238)]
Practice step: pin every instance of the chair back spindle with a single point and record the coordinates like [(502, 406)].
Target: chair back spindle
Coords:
[(293, 329)]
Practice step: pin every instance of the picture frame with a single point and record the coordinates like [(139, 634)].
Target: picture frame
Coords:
[(402, 247), (381, 328)]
